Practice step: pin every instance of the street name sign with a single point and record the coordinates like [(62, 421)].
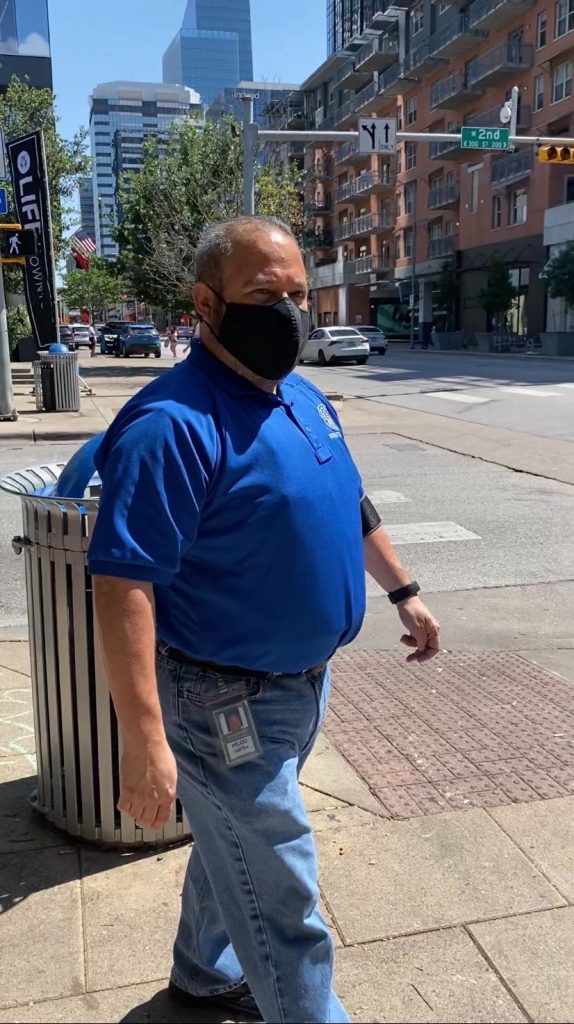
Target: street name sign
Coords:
[(377, 134), (484, 138)]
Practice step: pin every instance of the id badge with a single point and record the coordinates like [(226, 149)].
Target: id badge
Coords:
[(236, 732)]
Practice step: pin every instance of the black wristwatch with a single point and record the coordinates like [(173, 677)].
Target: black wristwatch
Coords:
[(403, 593)]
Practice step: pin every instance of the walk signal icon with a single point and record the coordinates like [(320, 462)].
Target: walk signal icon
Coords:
[(556, 154), (15, 243)]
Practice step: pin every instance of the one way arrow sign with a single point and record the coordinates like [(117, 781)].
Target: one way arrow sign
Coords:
[(377, 134)]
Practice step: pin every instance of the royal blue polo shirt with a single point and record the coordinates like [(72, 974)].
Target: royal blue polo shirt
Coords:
[(243, 510)]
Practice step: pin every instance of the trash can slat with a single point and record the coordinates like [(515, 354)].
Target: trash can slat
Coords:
[(66, 695), (82, 678), (105, 753), (52, 687)]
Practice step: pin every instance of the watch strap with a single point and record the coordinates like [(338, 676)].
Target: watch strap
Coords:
[(403, 593)]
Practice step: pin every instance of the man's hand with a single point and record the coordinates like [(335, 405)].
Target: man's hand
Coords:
[(423, 630), (148, 777)]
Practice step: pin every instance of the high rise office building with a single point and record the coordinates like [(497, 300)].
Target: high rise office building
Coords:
[(122, 116), (87, 215), (347, 20), (25, 43), (212, 49)]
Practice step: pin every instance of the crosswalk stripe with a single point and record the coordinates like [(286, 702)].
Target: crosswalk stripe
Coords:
[(455, 396), (387, 497), (531, 392), (567, 384), (428, 533)]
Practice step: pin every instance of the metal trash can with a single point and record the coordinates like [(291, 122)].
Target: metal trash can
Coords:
[(57, 382), (77, 739)]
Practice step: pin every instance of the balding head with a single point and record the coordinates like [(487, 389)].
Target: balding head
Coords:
[(218, 244)]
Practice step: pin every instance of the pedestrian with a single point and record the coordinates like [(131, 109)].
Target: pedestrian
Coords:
[(195, 335), (229, 560), (92, 340), (171, 339)]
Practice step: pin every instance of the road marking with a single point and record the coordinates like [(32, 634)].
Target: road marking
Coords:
[(387, 497), (531, 392), (455, 396), (569, 384), (428, 533)]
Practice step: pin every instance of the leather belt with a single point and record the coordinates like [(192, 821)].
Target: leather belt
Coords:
[(233, 670)]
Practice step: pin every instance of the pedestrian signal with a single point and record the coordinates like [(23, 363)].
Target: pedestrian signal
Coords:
[(556, 154)]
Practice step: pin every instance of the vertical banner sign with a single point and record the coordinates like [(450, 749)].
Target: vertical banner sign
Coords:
[(31, 198)]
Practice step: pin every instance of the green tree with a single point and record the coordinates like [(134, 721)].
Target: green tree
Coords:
[(24, 109), (499, 294), (447, 292), (558, 275), (18, 324), (93, 289), (198, 180)]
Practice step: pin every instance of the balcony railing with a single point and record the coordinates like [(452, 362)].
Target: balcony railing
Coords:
[(492, 67), (442, 196), (452, 92), (443, 246), (344, 192), (513, 167), (370, 222), (377, 54), (343, 152), (318, 239), (346, 111), (389, 81), (440, 150), (319, 170), (421, 59), (368, 265), (455, 38), (492, 14), (343, 231), (364, 183), (318, 205)]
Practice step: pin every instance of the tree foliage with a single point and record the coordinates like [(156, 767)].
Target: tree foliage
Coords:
[(93, 289), (558, 275), (197, 180), (499, 294), (447, 291), (18, 324), (24, 109)]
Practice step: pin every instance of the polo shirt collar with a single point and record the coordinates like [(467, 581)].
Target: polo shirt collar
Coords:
[(223, 376)]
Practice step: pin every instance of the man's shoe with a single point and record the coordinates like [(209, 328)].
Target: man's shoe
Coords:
[(238, 1002)]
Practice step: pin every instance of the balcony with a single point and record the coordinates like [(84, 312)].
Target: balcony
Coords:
[(422, 59), (368, 224), (349, 153), (378, 12), (365, 98), (290, 112), (343, 231), (345, 115), (447, 150), (345, 192), (507, 169), (441, 247), (455, 39), (491, 118), (365, 184), (452, 92), (321, 170), (494, 14), (318, 240), (349, 77), (391, 82), (368, 265), (379, 53), (323, 121), (443, 197), (496, 65), (318, 205)]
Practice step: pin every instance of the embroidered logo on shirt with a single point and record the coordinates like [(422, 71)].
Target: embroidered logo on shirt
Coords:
[(328, 419)]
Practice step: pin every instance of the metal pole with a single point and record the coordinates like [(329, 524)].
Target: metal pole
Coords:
[(250, 133), (7, 407), (514, 140), (514, 111), (413, 268)]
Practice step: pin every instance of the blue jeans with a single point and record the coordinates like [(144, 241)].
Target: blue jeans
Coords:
[(250, 898)]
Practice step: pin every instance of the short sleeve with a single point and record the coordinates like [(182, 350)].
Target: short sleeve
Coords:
[(155, 476)]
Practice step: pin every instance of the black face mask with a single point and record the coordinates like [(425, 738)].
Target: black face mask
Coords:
[(267, 340)]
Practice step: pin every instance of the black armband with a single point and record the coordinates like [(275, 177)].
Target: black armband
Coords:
[(370, 518)]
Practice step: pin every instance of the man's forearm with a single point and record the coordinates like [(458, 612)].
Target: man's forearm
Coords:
[(383, 563), (125, 612)]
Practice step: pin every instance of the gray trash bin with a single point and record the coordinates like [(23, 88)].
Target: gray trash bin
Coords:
[(57, 382), (77, 739)]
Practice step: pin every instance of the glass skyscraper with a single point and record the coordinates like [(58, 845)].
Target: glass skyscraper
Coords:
[(25, 42), (212, 49), (349, 18)]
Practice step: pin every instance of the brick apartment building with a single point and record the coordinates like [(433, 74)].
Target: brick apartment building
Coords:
[(435, 66)]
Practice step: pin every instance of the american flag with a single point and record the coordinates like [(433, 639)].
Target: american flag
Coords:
[(83, 246)]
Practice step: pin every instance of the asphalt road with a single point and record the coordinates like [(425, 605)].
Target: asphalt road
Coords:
[(527, 395)]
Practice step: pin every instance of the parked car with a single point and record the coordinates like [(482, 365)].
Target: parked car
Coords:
[(138, 340), (184, 333), (67, 336), (377, 339), (110, 333), (81, 334), (328, 345)]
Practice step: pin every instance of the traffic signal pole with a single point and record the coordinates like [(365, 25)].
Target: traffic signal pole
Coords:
[(7, 407)]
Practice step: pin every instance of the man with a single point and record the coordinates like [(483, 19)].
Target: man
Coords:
[(233, 527)]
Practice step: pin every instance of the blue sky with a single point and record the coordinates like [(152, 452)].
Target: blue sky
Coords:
[(105, 40)]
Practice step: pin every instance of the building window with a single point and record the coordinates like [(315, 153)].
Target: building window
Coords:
[(408, 243), (518, 206), (411, 155), (564, 17), (541, 26), (410, 197), (496, 221), (399, 161), (411, 110), (417, 19), (539, 92), (562, 81), (435, 230), (473, 191)]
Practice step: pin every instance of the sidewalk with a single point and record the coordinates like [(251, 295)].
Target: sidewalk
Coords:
[(442, 802)]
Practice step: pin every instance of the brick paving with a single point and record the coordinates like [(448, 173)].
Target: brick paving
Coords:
[(467, 730)]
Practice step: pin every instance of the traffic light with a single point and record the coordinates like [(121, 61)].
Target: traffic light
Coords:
[(556, 154)]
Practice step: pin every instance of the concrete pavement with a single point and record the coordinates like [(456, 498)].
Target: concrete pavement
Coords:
[(448, 915)]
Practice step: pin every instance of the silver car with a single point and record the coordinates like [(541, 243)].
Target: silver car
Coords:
[(377, 339)]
